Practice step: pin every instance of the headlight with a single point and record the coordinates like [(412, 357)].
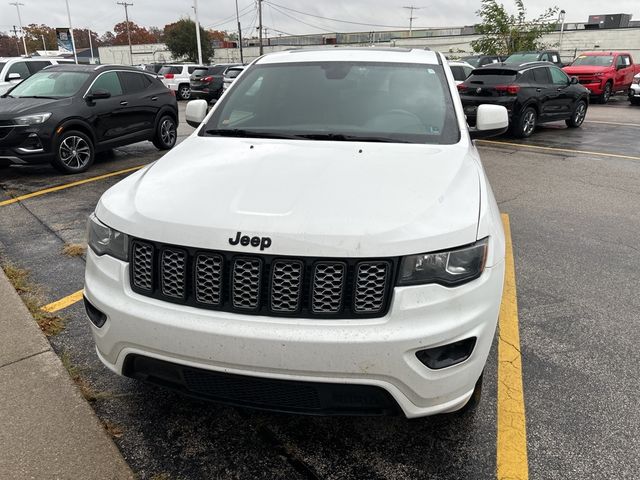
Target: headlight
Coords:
[(34, 119), (107, 241), (448, 268)]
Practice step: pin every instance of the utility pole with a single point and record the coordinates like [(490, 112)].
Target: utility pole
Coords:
[(239, 33), (260, 26), (195, 8), (24, 43), (411, 17), (73, 42), (15, 35), (126, 16)]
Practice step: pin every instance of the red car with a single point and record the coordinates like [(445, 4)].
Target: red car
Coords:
[(604, 73)]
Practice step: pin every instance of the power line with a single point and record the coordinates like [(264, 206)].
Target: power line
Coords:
[(243, 11), (324, 29), (333, 19)]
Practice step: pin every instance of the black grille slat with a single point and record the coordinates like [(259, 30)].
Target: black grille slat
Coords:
[(173, 273), (259, 284), (286, 285), (142, 265), (371, 285), (327, 295), (246, 282), (208, 278)]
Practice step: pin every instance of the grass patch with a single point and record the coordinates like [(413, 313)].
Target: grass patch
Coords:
[(32, 297), (87, 392), (74, 249), (112, 428)]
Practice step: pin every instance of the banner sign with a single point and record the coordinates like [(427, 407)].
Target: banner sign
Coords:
[(65, 45)]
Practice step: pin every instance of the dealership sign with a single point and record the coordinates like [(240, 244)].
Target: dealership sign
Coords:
[(65, 44)]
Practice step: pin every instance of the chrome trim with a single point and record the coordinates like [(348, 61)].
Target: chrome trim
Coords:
[(30, 150), (14, 160)]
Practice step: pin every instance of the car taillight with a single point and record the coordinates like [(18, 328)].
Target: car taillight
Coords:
[(207, 79), (173, 92), (168, 75), (508, 89), (462, 87)]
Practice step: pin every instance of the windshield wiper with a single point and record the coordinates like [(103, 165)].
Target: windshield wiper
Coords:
[(340, 137), (39, 96), (239, 132)]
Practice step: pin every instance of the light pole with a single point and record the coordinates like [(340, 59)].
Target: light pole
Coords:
[(24, 43), (260, 26), (90, 47), (239, 33), (44, 45), (195, 8), (126, 16), (561, 21), (73, 42)]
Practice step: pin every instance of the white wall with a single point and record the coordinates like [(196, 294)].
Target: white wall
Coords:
[(573, 41)]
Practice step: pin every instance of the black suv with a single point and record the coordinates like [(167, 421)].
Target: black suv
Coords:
[(533, 93), (65, 114), (552, 56), (206, 82)]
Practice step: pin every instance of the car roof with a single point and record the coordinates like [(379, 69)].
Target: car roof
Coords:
[(459, 63), (30, 59), (602, 53), (92, 68), (352, 54), (514, 67)]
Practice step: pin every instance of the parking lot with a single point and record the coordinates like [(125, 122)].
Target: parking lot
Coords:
[(571, 198)]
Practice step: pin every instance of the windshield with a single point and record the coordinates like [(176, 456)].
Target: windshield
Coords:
[(460, 72), (233, 72), (344, 101), (522, 57), (473, 61), (594, 60), (169, 69), (51, 84)]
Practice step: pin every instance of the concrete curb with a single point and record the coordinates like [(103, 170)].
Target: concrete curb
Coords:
[(48, 430)]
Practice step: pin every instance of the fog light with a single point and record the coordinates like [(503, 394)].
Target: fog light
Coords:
[(31, 144), (96, 316), (447, 355)]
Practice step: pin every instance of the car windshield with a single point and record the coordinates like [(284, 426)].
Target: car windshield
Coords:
[(233, 72), (50, 84), (473, 61), (460, 72), (594, 60), (342, 101), (522, 57)]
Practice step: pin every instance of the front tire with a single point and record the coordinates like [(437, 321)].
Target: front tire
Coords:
[(184, 92), (634, 101), (606, 93), (526, 123), (578, 115), (74, 152), (166, 133)]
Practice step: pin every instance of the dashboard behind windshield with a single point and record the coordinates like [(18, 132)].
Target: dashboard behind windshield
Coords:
[(367, 101)]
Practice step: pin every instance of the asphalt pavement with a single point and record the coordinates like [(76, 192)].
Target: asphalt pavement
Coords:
[(575, 221)]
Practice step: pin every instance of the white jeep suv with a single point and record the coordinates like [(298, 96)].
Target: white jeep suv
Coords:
[(14, 70), (325, 242), (177, 78)]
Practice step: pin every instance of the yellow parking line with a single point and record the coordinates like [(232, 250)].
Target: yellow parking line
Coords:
[(555, 149), (68, 185), (63, 302), (511, 444)]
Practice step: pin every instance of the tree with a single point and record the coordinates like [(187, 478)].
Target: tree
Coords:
[(180, 38), (139, 35), (503, 34), (107, 39), (158, 34), (9, 46), (33, 37)]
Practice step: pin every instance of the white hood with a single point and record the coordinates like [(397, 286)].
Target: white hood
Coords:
[(312, 198)]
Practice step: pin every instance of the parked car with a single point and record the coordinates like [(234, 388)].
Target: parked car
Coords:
[(460, 70), (634, 91), (176, 78), (230, 76), (533, 93), (265, 285), (152, 67), (552, 56), (13, 70), (482, 60), (604, 73), (206, 82), (66, 113)]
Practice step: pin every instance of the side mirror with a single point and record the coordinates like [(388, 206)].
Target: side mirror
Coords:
[(195, 112), (14, 76), (98, 94), (491, 120), (574, 80)]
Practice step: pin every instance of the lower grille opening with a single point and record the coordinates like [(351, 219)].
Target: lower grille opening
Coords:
[(315, 398)]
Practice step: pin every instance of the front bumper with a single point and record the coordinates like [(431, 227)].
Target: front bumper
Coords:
[(25, 145), (595, 87), (634, 91), (379, 352)]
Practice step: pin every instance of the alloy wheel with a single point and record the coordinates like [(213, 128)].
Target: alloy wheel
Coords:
[(581, 112), (74, 152), (529, 122), (185, 93), (168, 132)]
